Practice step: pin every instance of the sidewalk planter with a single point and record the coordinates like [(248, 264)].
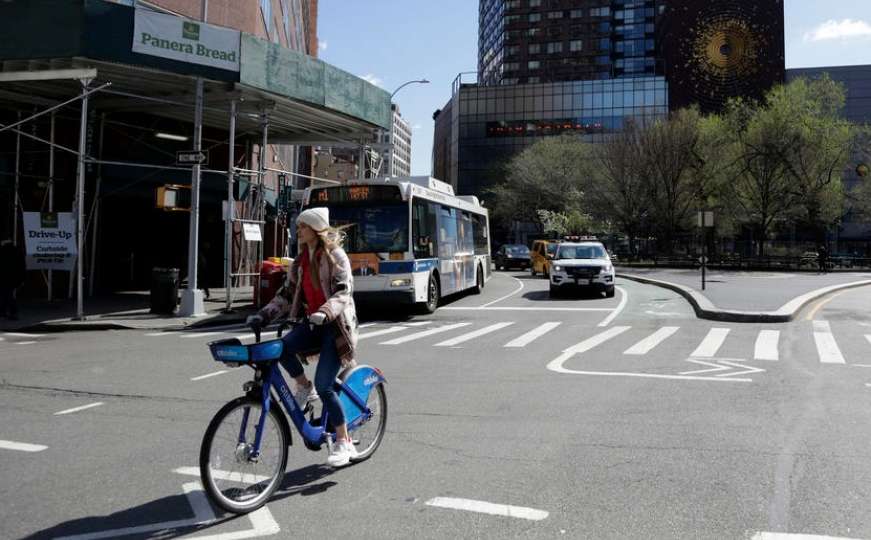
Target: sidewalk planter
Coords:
[(164, 290)]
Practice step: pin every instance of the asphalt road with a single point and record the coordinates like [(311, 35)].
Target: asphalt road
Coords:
[(580, 417)]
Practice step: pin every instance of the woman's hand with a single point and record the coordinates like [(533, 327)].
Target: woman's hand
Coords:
[(317, 318)]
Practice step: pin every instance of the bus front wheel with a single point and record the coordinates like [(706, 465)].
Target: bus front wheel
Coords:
[(432, 295)]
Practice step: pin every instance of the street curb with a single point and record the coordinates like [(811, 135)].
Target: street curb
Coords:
[(86, 326), (705, 309)]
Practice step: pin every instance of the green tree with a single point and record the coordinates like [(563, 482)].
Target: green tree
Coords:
[(550, 175)]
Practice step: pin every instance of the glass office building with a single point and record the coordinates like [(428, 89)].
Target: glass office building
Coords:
[(483, 127)]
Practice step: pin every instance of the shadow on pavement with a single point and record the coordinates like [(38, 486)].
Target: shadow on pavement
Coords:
[(177, 508), (544, 296)]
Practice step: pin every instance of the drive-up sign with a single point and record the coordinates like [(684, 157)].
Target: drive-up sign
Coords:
[(50, 240)]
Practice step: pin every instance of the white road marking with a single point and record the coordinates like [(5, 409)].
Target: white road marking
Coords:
[(201, 334), (19, 334), (482, 308), (417, 323), (624, 297), (367, 325), (425, 333), (868, 337), (711, 344), (2, 339), (472, 335), (23, 447), (156, 334), (207, 375), (262, 522), (375, 333), (647, 344), (827, 347), (25, 342), (223, 475), (532, 335), (263, 335), (789, 536), (517, 290), (77, 409), (723, 365), (766, 345), (483, 507), (596, 340)]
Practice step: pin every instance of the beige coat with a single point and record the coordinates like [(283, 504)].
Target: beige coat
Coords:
[(338, 287)]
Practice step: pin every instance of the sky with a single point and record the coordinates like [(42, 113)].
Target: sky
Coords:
[(389, 42)]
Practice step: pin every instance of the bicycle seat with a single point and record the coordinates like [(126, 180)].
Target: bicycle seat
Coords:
[(232, 351)]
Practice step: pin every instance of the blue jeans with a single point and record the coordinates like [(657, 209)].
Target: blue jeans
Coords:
[(303, 338)]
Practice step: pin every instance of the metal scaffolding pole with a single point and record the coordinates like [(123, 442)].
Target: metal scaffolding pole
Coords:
[(80, 199), (228, 253), (49, 284), (261, 201), (16, 199), (95, 211), (192, 298)]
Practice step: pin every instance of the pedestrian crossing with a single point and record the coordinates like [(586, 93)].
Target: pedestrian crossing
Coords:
[(750, 343)]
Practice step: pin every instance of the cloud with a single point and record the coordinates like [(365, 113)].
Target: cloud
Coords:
[(371, 79), (322, 45), (845, 29)]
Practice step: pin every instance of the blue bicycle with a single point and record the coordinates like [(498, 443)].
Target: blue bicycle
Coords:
[(244, 450)]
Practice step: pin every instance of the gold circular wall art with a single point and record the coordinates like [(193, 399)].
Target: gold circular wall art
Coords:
[(726, 48)]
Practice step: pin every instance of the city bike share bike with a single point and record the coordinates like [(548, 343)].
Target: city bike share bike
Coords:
[(244, 450)]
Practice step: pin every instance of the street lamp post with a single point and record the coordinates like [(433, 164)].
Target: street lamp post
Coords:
[(391, 133)]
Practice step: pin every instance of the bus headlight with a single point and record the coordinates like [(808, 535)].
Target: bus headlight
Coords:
[(404, 282)]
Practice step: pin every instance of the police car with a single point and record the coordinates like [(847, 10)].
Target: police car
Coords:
[(581, 264)]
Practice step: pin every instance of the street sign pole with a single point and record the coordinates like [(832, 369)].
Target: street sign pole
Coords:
[(192, 298)]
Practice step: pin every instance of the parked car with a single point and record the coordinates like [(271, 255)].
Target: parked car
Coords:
[(511, 256), (542, 253)]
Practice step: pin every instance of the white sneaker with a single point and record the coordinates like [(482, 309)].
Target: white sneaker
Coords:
[(341, 454), (305, 395)]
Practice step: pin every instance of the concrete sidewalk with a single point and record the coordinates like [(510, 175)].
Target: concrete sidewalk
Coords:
[(748, 296), (124, 310)]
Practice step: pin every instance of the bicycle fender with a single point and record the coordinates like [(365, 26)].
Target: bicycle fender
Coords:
[(360, 379)]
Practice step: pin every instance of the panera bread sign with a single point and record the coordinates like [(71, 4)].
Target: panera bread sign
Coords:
[(185, 40)]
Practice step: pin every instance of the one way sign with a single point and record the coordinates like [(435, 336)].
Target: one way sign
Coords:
[(191, 157)]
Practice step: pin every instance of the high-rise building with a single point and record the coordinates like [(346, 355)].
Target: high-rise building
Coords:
[(397, 158), (532, 41), (550, 67)]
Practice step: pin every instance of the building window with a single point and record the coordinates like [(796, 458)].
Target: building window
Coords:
[(576, 45), (513, 4), (533, 64), (534, 48), (600, 12), (534, 3), (576, 13), (554, 14), (555, 47), (532, 32), (511, 66), (513, 50), (534, 80), (534, 17), (512, 19)]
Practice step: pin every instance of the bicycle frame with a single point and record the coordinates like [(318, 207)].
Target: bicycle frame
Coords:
[(314, 435)]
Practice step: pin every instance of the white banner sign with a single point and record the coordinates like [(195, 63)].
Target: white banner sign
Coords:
[(251, 232), (50, 240), (172, 37)]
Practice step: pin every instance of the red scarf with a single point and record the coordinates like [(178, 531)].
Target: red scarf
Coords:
[(314, 296)]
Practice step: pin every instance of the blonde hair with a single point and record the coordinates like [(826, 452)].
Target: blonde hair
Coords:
[(328, 240)]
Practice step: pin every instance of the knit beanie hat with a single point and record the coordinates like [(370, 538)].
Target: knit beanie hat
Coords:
[(316, 218)]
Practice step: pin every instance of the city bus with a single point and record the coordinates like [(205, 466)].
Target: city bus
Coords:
[(411, 241)]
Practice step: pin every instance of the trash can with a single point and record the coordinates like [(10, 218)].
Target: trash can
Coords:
[(272, 275), (164, 290)]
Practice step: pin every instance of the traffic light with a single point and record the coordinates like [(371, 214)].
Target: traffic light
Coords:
[(174, 198)]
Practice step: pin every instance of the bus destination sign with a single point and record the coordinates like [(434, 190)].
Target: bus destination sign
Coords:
[(355, 194)]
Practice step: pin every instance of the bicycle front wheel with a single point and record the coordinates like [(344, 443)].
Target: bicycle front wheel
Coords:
[(368, 436), (234, 478)]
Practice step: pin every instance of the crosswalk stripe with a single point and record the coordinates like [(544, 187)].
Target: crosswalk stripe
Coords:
[(766, 345), (711, 344), (868, 337), (827, 347), (472, 335), (647, 344), (596, 340), (425, 333), (532, 335), (375, 333)]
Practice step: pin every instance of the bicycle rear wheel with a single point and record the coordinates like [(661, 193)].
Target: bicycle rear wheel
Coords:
[(232, 479), (368, 436)]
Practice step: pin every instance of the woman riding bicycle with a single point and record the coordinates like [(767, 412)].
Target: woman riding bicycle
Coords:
[(320, 281)]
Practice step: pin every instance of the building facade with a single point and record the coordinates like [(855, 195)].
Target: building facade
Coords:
[(397, 158), (550, 67)]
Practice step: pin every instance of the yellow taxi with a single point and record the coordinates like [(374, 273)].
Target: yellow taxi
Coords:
[(540, 256)]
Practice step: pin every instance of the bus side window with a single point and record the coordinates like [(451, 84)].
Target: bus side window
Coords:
[(479, 228)]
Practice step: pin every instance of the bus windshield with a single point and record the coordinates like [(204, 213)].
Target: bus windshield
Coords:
[(375, 228)]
